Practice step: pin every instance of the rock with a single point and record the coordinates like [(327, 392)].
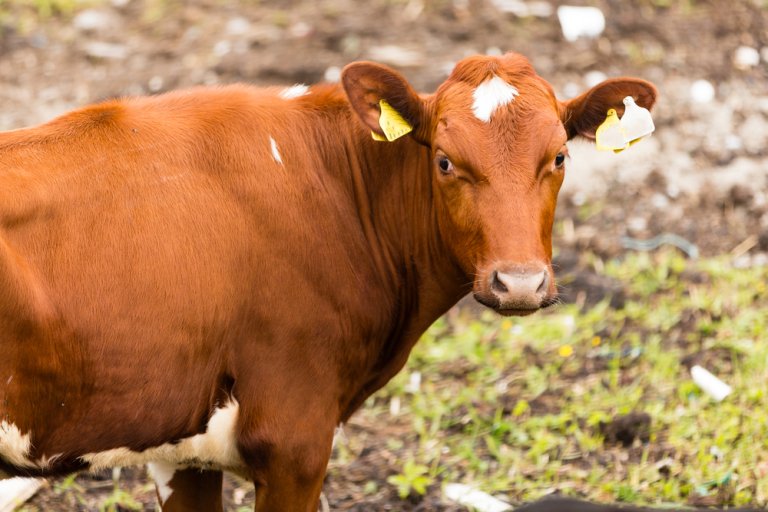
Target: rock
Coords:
[(93, 20), (625, 429), (332, 74), (238, 26), (746, 57)]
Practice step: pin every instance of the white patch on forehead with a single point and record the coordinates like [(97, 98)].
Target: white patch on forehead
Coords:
[(490, 95), (14, 446), (215, 449), (275, 152), (294, 91), (162, 473)]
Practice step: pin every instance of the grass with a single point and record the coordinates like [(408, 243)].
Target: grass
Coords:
[(514, 406), (26, 15)]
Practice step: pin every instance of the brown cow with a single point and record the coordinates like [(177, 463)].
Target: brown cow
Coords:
[(214, 279)]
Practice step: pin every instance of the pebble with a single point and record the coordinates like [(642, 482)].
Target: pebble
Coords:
[(592, 78), (746, 57), (571, 90), (733, 142), (332, 74), (396, 55), (92, 20), (702, 91), (155, 83), (300, 30), (102, 50), (637, 224), (659, 201), (238, 26), (222, 48), (524, 9)]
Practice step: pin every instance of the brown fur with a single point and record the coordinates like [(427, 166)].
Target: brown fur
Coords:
[(156, 260)]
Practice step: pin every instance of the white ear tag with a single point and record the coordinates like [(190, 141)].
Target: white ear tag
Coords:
[(610, 135), (636, 121)]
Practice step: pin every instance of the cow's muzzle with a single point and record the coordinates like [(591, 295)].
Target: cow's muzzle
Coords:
[(516, 289)]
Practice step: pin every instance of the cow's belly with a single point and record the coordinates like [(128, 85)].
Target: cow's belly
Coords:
[(216, 448)]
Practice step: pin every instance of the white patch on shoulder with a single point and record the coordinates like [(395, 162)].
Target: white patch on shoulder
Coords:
[(275, 152), (295, 91), (15, 446), (215, 449), (490, 95), (162, 473)]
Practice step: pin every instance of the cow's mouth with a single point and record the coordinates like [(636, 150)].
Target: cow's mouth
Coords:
[(511, 309)]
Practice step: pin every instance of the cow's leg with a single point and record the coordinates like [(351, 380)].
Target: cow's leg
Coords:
[(292, 481), (289, 470), (186, 489)]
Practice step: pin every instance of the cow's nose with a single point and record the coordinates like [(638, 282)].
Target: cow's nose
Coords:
[(520, 288)]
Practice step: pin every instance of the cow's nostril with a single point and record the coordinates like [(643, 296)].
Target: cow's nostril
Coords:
[(497, 285), (544, 283)]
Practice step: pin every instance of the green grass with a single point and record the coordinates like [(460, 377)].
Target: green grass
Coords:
[(513, 406)]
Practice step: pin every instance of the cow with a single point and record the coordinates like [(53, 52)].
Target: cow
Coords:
[(214, 279)]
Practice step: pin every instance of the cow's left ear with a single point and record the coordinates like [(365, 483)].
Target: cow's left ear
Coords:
[(583, 114), (367, 83)]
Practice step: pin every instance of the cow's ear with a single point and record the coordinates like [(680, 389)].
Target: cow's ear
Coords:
[(367, 83), (583, 114)]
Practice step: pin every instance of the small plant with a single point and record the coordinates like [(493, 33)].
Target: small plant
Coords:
[(415, 478)]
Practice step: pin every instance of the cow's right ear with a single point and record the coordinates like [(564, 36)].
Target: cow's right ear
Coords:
[(583, 114), (367, 83)]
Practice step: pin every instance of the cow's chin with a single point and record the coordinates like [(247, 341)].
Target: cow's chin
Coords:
[(515, 312), (501, 309)]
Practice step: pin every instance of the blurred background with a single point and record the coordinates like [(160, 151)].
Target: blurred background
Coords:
[(661, 251)]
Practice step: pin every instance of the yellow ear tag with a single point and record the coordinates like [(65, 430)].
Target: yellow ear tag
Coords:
[(378, 137), (636, 121), (610, 135), (392, 124)]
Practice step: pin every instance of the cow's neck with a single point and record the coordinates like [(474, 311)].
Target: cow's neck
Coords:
[(392, 188)]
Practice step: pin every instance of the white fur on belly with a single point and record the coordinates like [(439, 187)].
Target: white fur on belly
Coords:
[(14, 446), (215, 449), (162, 473)]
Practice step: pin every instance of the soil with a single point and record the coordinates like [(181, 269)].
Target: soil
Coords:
[(700, 176)]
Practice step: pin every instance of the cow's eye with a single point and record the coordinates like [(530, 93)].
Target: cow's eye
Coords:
[(559, 160), (445, 165)]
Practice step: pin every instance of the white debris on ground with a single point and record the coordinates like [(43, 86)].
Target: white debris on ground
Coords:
[(15, 491), (702, 91), (710, 384), (578, 22), (478, 500)]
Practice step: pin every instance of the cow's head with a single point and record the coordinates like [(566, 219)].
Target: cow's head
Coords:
[(497, 136)]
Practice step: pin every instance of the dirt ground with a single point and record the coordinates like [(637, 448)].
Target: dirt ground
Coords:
[(701, 176)]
